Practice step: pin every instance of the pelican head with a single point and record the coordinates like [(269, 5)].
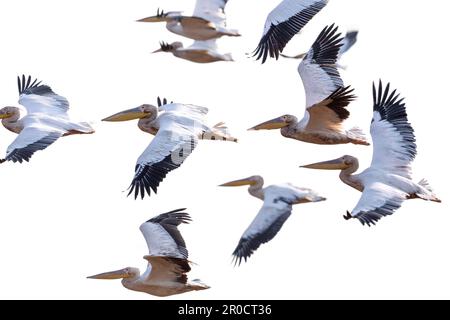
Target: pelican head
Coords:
[(125, 273), (9, 112), (166, 47), (342, 163), (161, 16), (250, 181), (143, 111), (277, 123)]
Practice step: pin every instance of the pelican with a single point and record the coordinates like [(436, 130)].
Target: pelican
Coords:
[(45, 122), (278, 201), (167, 260), (387, 182), (208, 21), (199, 51), (177, 128), (347, 43), (326, 98), (284, 22)]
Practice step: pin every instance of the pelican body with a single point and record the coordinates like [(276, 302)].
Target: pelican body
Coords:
[(168, 263), (45, 122), (208, 21), (177, 128), (387, 182), (326, 98), (199, 51), (278, 201)]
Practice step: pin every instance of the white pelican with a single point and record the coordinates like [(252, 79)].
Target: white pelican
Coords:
[(326, 98), (45, 122), (199, 51), (278, 201), (177, 129), (167, 260), (284, 22), (387, 182), (207, 22), (347, 43)]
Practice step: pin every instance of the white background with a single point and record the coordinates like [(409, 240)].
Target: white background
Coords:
[(65, 215)]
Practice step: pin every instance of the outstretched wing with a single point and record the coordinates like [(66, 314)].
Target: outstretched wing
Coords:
[(394, 142), (318, 70), (284, 22), (162, 235), (30, 140), (166, 152), (211, 10), (378, 200), (37, 98), (349, 40)]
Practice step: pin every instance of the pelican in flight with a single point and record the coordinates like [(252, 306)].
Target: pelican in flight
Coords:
[(45, 122), (167, 260), (326, 98), (387, 182), (278, 201), (207, 22), (199, 51), (177, 128), (347, 43), (283, 23)]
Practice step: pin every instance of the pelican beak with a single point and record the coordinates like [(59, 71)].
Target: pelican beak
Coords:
[(3, 115), (238, 183), (119, 274), (276, 123), (131, 114), (159, 50), (152, 19), (337, 164)]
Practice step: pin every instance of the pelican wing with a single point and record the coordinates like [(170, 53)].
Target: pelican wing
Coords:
[(349, 40), (37, 98), (166, 152), (329, 114), (211, 10), (377, 201), (318, 70), (167, 270), (30, 140), (162, 235), (275, 211), (284, 22), (203, 45), (394, 143)]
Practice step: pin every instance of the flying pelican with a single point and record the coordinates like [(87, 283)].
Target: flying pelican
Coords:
[(278, 201), (167, 260), (46, 120), (208, 21), (177, 128), (326, 98), (349, 40), (387, 182), (199, 51), (284, 22)]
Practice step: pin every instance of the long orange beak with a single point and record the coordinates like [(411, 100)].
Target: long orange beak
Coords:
[(127, 115), (276, 123), (337, 164)]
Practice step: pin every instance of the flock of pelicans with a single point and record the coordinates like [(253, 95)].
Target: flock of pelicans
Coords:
[(177, 128)]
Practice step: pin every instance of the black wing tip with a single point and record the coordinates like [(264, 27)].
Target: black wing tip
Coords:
[(277, 37), (384, 100), (24, 83), (174, 217), (162, 102)]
